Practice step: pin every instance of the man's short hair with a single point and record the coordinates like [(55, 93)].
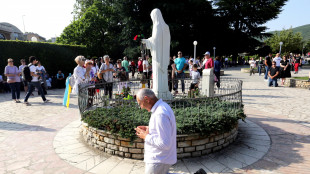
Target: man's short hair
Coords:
[(32, 58), (145, 92), (195, 66), (106, 57)]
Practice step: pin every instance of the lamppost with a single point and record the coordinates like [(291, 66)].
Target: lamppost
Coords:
[(214, 51), (24, 23), (281, 43), (302, 51), (195, 44)]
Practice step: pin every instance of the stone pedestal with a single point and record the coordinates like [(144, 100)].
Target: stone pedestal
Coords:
[(207, 82)]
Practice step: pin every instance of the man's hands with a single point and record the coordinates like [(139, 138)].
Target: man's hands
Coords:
[(142, 131)]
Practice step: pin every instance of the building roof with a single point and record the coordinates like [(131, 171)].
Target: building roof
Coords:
[(9, 28)]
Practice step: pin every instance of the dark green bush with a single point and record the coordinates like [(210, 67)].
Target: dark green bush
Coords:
[(53, 57), (204, 117)]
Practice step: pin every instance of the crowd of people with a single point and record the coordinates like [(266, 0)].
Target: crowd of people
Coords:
[(103, 70), (12, 80), (277, 67)]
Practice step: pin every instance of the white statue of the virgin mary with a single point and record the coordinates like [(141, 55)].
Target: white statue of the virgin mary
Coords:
[(159, 44)]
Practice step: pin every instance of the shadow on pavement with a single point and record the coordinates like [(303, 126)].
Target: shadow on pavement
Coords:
[(288, 150), (11, 126), (265, 96)]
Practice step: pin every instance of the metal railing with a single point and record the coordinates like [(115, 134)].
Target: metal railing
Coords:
[(92, 96)]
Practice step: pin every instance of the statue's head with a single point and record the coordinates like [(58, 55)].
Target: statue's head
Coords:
[(157, 16)]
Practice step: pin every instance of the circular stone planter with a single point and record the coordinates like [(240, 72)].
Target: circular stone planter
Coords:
[(247, 70), (192, 145)]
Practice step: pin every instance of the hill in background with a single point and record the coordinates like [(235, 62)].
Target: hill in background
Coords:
[(304, 30)]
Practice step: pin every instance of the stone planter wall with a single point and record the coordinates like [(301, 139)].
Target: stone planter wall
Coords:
[(291, 82), (187, 145)]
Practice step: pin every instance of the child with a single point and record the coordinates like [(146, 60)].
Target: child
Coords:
[(195, 78)]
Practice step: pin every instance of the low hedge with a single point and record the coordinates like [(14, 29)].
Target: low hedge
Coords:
[(53, 56), (204, 117), (302, 78)]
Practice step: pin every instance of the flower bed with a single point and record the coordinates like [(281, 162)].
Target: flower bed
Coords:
[(210, 121)]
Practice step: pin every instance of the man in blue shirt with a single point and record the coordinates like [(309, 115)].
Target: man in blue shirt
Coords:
[(180, 64)]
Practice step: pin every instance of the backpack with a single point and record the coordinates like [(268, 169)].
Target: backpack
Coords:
[(26, 73)]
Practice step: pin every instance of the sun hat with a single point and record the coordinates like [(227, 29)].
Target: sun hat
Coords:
[(207, 53)]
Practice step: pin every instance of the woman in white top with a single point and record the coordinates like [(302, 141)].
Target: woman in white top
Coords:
[(80, 74)]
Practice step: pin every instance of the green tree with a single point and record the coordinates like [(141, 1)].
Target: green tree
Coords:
[(292, 42), (109, 26), (92, 29), (247, 19)]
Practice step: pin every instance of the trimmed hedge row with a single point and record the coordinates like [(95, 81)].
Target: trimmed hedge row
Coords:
[(53, 56)]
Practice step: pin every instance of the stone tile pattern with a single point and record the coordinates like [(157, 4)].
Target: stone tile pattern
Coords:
[(290, 82), (251, 144), (192, 145)]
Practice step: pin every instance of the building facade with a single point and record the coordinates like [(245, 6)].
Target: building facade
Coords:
[(10, 32)]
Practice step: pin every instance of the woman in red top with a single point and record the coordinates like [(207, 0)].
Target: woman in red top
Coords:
[(133, 68), (140, 65)]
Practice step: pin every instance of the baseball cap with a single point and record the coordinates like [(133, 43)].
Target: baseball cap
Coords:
[(207, 53)]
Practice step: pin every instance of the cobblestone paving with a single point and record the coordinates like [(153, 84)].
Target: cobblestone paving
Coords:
[(28, 135), (251, 145)]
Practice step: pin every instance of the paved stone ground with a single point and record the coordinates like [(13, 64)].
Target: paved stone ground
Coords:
[(251, 145), (28, 134)]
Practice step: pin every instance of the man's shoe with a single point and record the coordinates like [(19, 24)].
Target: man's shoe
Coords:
[(26, 103), (46, 101)]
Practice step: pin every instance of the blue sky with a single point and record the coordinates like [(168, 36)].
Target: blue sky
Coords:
[(48, 18), (295, 13)]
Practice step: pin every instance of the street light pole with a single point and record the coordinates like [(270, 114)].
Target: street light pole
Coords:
[(195, 43), (281, 43), (302, 51), (214, 51), (24, 23)]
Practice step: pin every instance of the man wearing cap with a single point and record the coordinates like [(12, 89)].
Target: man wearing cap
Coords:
[(180, 64), (210, 62)]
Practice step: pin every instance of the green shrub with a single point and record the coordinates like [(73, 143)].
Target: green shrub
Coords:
[(204, 117), (53, 57), (302, 78)]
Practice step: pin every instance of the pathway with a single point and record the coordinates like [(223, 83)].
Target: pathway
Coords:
[(43, 138)]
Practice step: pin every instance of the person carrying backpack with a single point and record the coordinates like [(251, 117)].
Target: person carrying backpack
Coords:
[(30, 75)]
